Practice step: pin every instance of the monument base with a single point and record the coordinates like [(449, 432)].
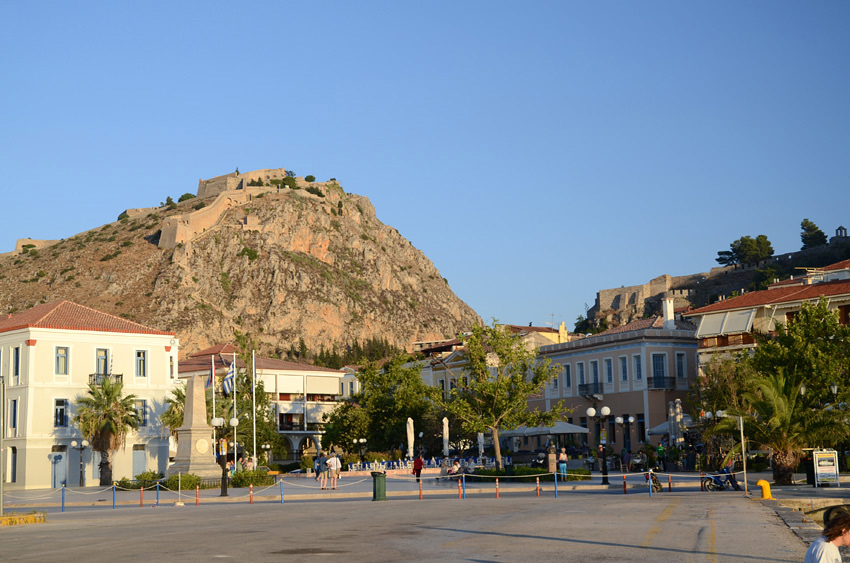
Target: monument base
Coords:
[(195, 454)]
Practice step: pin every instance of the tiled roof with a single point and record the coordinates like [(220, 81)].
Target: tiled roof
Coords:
[(656, 322), (520, 328), (222, 355), (67, 315), (777, 295), (843, 265)]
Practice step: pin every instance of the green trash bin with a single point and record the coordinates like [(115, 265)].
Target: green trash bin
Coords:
[(379, 485)]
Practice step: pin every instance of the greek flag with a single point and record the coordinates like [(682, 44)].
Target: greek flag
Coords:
[(211, 378), (227, 385)]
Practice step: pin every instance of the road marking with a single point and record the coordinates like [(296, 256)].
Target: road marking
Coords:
[(712, 541), (656, 528)]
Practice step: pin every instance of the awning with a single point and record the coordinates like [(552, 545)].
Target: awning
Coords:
[(729, 322), (557, 428)]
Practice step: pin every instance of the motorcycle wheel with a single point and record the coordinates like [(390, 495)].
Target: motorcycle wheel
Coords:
[(710, 485)]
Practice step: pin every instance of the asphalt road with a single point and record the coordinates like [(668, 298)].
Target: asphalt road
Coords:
[(577, 526)]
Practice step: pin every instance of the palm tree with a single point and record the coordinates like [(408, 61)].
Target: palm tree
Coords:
[(776, 417), (105, 417), (172, 418)]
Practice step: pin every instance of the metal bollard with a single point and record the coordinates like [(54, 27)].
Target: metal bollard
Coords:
[(157, 493), (459, 493), (669, 482), (624, 485), (113, 496), (142, 497), (281, 491), (538, 486), (420, 490), (63, 497), (556, 484), (197, 495), (497, 487), (463, 479), (252, 494)]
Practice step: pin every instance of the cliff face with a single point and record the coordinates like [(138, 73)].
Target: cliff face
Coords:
[(283, 265)]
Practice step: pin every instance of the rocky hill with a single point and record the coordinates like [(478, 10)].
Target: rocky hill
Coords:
[(282, 264)]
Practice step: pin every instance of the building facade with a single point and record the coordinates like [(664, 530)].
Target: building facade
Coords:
[(636, 370), (49, 355)]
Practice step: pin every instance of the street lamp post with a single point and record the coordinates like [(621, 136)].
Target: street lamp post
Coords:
[(627, 440), (602, 418), (362, 443), (266, 448), (80, 447), (218, 422)]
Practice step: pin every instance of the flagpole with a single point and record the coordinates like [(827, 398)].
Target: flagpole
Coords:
[(254, 403), (212, 375), (235, 444)]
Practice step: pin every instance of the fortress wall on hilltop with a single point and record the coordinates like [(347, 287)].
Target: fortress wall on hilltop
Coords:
[(183, 228), (234, 181), (140, 211)]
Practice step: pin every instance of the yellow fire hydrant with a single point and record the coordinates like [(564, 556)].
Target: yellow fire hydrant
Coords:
[(765, 489)]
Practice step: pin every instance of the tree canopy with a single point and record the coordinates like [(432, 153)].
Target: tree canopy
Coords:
[(811, 235), (746, 250)]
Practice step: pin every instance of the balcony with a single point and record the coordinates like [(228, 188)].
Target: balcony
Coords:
[(661, 382), (97, 378), (588, 389)]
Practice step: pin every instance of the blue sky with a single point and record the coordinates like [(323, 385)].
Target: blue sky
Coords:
[(536, 152)]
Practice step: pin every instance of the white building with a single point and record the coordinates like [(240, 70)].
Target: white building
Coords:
[(300, 394), (48, 357)]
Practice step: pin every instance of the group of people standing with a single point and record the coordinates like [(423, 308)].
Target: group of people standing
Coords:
[(328, 470)]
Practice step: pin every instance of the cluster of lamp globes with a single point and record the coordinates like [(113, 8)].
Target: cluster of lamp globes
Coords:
[(604, 412), (218, 422)]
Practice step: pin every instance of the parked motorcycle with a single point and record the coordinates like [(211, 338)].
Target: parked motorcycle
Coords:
[(721, 481), (656, 484)]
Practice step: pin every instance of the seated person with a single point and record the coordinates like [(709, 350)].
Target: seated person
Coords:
[(455, 468)]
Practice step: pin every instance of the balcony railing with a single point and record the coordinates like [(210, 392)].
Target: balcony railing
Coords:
[(589, 389), (97, 378), (661, 382)]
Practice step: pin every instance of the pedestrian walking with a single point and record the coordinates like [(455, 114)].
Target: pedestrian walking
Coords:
[(562, 462), (418, 464)]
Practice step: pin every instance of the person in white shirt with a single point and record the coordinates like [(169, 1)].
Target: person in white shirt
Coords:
[(836, 533), (333, 469)]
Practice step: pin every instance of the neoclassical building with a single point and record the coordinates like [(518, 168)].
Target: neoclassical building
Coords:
[(49, 355)]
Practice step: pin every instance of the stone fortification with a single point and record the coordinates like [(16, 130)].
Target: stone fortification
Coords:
[(234, 181), (30, 243), (624, 304), (140, 211), (183, 228)]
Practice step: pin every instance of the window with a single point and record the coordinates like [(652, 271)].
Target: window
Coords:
[(60, 413), (13, 417), (609, 370), (638, 372), (61, 360), (594, 371), (624, 369), (580, 373), (658, 368), (171, 366), (641, 428), (680, 365), (101, 361), (16, 364), (555, 383), (141, 363), (568, 379), (351, 388), (142, 411)]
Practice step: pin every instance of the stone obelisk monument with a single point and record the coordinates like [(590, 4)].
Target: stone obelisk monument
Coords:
[(195, 449)]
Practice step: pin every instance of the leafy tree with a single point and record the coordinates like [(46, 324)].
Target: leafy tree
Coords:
[(105, 416), (811, 235), (746, 250), (172, 418), (309, 178), (290, 182), (290, 173), (502, 374), (186, 196)]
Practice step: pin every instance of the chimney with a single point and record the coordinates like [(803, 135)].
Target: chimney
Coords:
[(669, 316)]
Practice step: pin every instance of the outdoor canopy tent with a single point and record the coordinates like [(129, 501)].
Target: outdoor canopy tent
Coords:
[(557, 428)]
